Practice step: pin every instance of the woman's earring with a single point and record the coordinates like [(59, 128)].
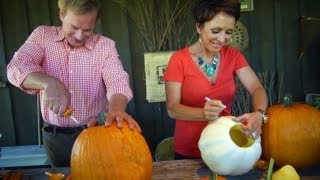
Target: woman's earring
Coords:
[(200, 40)]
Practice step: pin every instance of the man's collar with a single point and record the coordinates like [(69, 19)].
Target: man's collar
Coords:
[(60, 35), (89, 44)]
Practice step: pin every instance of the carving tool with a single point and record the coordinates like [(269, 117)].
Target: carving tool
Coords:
[(68, 114)]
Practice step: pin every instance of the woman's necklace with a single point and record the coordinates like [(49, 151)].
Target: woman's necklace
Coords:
[(209, 69)]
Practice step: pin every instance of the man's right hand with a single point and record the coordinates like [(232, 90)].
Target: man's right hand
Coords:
[(56, 96)]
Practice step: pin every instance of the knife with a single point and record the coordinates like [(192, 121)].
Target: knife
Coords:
[(74, 119)]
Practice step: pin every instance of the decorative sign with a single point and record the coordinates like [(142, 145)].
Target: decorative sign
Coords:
[(155, 65), (246, 5)]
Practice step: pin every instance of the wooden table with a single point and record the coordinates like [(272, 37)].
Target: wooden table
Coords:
[(169, 170)]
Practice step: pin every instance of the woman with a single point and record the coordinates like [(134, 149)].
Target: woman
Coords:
[(199, 79)]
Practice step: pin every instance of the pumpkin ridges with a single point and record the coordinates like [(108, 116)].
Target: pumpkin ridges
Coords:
[(113, 151), (220, 152), (285, 148), (278, 122)]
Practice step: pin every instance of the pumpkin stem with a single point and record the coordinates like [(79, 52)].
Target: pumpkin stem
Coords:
[(287, 100), (213, 176), (270, 169)]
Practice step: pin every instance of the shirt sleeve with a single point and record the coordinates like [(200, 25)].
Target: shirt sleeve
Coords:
[(115, 77), (174, 69), (26, 60), (240, 60)]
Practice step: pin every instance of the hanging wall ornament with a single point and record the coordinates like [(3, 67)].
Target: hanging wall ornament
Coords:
[(240, 37)]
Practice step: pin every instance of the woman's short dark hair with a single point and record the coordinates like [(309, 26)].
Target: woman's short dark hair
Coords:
[(205, 10)]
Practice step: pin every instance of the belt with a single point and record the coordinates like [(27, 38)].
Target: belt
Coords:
[(64, 130)]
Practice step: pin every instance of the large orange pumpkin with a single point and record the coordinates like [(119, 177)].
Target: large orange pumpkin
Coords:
[(292, 134), (111, 153)]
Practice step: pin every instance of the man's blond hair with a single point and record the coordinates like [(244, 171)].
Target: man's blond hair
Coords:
[(79, 6)]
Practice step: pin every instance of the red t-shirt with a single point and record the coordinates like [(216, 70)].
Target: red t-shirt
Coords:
[(195, 87)]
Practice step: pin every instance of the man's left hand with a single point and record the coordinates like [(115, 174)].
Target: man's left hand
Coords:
[(117, 116)]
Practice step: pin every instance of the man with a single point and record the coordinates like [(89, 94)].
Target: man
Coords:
[(71, 67)]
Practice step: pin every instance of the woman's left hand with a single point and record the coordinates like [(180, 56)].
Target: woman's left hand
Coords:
[(251, 124)]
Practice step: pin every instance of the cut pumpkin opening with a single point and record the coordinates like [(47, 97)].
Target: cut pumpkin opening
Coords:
[(239, 138)]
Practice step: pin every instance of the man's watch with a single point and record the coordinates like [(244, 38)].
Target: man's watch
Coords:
[(264, 116)]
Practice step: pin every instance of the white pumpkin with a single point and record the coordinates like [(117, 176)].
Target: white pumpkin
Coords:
[(226, 150)]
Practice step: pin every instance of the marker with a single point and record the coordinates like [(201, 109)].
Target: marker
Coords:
[(208, 99)]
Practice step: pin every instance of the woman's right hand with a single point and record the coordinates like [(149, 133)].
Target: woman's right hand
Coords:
[(56, 96), (212, 109)]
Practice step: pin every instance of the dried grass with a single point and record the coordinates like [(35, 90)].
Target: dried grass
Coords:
[(162, 23), (272, 83)]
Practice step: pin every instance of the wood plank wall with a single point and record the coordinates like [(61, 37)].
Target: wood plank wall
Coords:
[(274, 46)]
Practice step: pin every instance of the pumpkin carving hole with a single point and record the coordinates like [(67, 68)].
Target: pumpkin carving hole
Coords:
[(239, 138)]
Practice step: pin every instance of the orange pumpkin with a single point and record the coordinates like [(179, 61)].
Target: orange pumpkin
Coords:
[(292, 134), (111, 153)]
